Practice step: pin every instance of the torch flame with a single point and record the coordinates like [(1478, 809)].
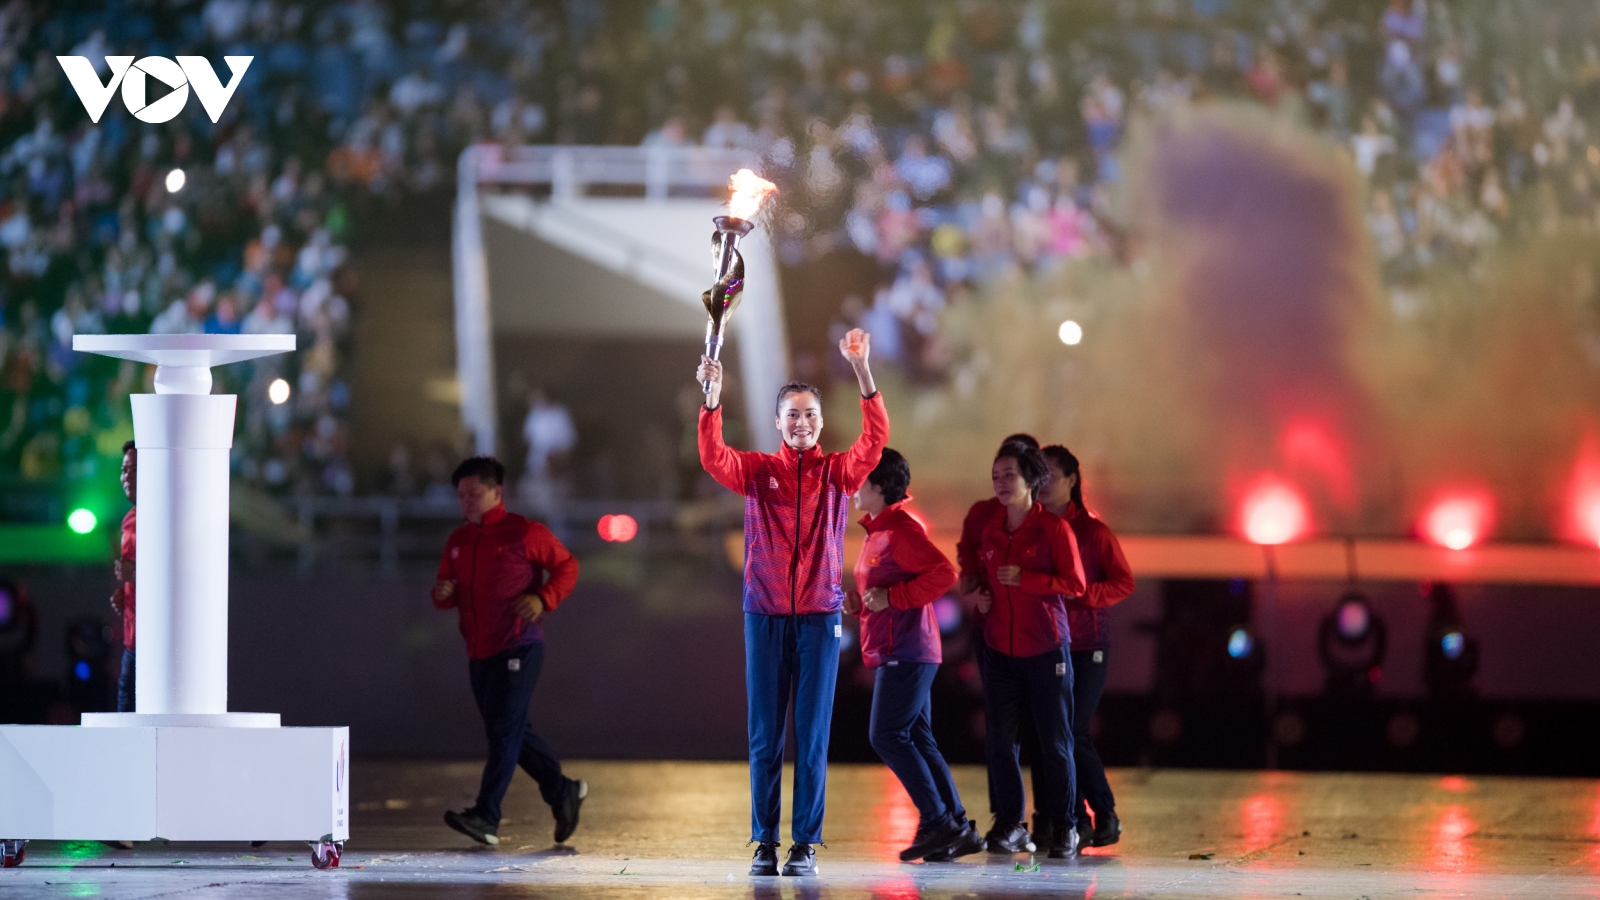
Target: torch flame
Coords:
[(749, 190)]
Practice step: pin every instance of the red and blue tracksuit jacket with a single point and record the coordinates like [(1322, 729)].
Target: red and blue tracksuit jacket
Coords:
[(1030, 618), (496, 564), (1109, 579), (898, 555), (796, 508)]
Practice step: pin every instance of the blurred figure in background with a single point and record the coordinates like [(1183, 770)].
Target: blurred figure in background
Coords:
[(550, 435), (123, 572)]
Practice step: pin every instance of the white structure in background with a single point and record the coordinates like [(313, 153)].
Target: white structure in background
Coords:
[(661, 242), (183, 767)]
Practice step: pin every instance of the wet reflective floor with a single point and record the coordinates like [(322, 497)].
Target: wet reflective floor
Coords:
[(677, 830)]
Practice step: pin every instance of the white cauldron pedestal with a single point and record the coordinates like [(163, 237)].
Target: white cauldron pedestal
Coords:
[(183, 767)]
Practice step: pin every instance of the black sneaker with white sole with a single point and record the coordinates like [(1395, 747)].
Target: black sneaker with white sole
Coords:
[(969, 843), (1009, 838), (802, 860), (566, 810), (474, 826), (765, 861), (933, 838), (1064, 845), (966, 844)]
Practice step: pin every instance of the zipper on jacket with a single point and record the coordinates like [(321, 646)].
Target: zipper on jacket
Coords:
[(1011, 607), (472, 580), (799, 510)]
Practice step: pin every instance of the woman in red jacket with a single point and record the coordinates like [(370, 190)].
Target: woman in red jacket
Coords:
[(898, 575), (1110, 581), (1030, 562)]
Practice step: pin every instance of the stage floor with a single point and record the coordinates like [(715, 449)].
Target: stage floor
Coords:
[(677, 829)]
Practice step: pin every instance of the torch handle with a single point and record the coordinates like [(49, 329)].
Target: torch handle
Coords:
[(713, 350)]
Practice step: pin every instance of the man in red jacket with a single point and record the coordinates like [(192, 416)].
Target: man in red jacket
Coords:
[(797, 505), (503, 573)]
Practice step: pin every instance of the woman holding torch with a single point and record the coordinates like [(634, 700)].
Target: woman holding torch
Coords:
[(797, 503)]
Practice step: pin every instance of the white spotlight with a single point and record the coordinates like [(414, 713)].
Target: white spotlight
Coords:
[(176, 180), (278, 391), (1071, 333)]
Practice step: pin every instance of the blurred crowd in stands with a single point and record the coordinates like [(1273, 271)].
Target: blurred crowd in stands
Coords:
[(950, 142), (956, 141)]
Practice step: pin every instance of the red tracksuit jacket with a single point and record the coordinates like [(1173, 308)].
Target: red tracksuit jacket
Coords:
[(1030, 618), (796, 508), (1106, 570), (971, 542), (129, 552), (494, 565), (898, 555)]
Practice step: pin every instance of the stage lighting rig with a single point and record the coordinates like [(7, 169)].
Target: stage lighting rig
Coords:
[(1204, 641), (1450, 656), (1352, 640)]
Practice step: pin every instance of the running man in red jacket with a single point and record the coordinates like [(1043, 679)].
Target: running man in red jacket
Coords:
[(898, 576), (502, 574), (797, 505)]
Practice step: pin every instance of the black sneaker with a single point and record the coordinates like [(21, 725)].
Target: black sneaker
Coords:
[(1065, 845), (766, 859), (937, 836), (1085, 831), (469, 823), (1107, 829), (1012, 838), (965, 844), (802, 860), (566, 812)]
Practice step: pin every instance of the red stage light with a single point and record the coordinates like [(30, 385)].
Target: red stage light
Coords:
[(619, 528), (1583, 496), (1458, 520), (1274, 512)]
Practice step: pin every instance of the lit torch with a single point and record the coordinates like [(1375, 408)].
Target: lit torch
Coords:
[(749, 190)]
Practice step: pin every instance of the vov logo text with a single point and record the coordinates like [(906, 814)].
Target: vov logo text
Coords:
[(188, 72)]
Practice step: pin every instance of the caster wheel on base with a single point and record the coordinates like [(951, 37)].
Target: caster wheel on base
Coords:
[(12, 853), (325, 854)]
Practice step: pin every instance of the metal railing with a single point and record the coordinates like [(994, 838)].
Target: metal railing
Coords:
[(391, 528), (569, 170)]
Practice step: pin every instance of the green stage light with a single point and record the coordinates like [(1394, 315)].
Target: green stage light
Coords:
[(82, 521)]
